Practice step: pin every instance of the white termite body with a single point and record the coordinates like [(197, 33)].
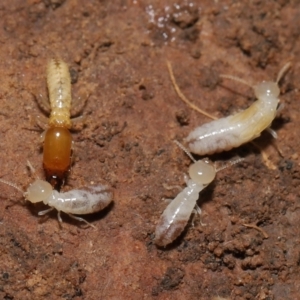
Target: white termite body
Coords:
[(79, 202), (232, 131), (88, 200), (177, 214)]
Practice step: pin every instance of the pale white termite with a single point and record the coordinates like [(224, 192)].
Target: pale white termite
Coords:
[(232, 131), (88, 200), (177, 214)]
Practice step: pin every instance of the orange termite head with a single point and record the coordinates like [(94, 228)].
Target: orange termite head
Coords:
[(57, 155)]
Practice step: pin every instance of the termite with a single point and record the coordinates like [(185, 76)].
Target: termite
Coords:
[(84, 201), (232, 131), (57, 138), (177, 214)]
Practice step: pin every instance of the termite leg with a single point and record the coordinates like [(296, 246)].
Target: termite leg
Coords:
[(168, 200), (78, 105), (44, 212), (59, 217), (277, 148), (42, 102), (265, 157), (280, 107), (198, 209), (186, 178), (32, 170), (42, 137), (77, 119), (171, 187), (42, 122), (72, 158), (81, 220), (272, 132), (78, 123)]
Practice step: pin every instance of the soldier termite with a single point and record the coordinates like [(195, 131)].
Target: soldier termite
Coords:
[(232, 131), (88, 200), (57, 138), (177, 214)]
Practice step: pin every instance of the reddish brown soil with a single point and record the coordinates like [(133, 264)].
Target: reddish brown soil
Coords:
[(117, 52)]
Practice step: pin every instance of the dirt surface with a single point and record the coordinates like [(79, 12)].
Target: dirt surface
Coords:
[(117, 52)]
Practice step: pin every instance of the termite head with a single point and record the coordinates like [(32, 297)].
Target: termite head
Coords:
[(267, 91), (202, 172), (57, 155), (38, 191)]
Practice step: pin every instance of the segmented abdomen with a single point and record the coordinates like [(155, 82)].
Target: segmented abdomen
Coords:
[(176, 215), (232, 131), (85, 201), (59, 87), (216, 136)]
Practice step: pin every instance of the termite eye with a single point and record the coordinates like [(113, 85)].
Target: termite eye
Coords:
[(38, 191), (266, 89), (202, 172)]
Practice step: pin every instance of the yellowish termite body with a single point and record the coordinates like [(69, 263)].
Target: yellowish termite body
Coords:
[(59, 88), (233, 131), (58, 139)]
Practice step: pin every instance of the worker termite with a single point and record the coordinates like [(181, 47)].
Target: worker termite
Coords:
[(57, 138), (88, 200), (177, 214), (232, 131)]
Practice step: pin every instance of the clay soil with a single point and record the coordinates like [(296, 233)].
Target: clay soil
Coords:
[(246, 244)]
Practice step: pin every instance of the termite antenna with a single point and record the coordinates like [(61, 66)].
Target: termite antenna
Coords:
[(32, 169), (236, 79), (12, 185), (183, 98), (185, 150), (230, 163), (282, 71)]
